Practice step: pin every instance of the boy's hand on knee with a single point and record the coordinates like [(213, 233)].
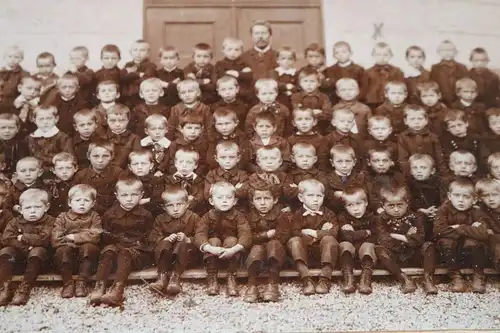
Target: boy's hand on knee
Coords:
[(327, 226), (171, 238), (230, 252), (181, 236), (271, 233), (70, 237), (477, 224), (347, 227)]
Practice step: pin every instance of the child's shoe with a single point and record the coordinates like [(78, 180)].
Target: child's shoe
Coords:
[(174, 285), (251, 294), (458, 285), (308, 286), (6, 293), (407, 284), (22, 294), (232, 286), (429, 287), (114, 296), (479, 281), (323, 286), (97, 293), (81, 288), (271, 292), (212, 285), (160, 284), (68, 289)]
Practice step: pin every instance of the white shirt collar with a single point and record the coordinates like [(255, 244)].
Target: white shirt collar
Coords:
[(106, 106), (410, 71), (164, 142), (282, 71), (180, 175), (465, 103), (39, 134), (266, 141), (338, 173), (170, 70), (67, 99), (311, 212), (345, 64), (267, 48)]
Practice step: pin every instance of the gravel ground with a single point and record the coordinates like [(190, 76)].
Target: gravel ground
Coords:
[(386, 309)]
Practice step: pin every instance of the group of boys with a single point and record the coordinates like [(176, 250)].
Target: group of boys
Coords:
[(248, 159)]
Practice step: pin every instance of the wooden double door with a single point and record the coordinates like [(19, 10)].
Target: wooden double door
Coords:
[(183, 23)]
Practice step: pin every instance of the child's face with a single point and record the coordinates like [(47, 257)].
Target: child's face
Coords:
[(156, 130), (382, 56), (421, 169), (415, 58), (494, 124), (380, 130), (395, 206), (8, 129), (462, 198), (191, 132), (128, 196), (202, 57), (396, 95), (64, 170), (185, 163), (85, 126), (151, 93), (347, 92), (225, 125), (81, 203), (169, 59), (109, 60), (479, 60), (343, 122), (355, 205), (304, 158), (117, 123), (45, 66), (343, 163), (380, 162), (447, 51), (228, 91), (430, 97), (416, 120), (77, 58), (139, 52), (342, 54), (45, 120), (232, 51), (495, 169), (263, 201), (30, 89), (227, 158), (264, 129), (463, 165), (107, 93), (100, 158), (467, 94), (457, 127), (13, 58), (67, 88), (315, 59), (176, 205), (269, 161), (141, 165), (33, 211), (304, 121), (267, 95), (28, 172), (188, 93), (223, 199), (286, 60), (491, 198), (309, 83), (312, 197)]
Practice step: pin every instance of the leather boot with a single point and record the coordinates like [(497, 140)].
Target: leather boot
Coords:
[(98, 292), (365, 282), (271, 292), (323, 286), (22, 294), (458, 285), (407, 284), (81, 288), (232, 285), (429, 287), (160, 284), (479, 281), (114, 296), (212, 285), (251, 294), (6, 293), (174, 285), (308, 286), (68, 289), (348, 287)]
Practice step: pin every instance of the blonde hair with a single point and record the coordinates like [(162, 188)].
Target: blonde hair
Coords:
[(308, 183), (64, 157), (129, 182), (223, 185), (382, 46), (346, 81), (465, 83), (227, 145), (155, 117), (30, 159), (422, 157), (232, 41), (13, 49), (196, 155), (487, 185), (171, 191), (34, 194), (153, 81), (394, 84), (266, 83), (187, 82), (83, 189)]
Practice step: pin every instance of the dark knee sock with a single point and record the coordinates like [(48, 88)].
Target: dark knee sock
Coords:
[(253, 271), (6, 268), (165, 261), (66, 272), (32, 269), (123, 267), (105, 266), (274, 270), (211, 265), (85, 269)]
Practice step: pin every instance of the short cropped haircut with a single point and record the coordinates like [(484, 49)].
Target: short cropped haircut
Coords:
[(203, 47), (64, 157), (414, 108), (314, 47), (153, 81), (266, 83), (140, 152), (395, 84), (446, 42), (196, 155), (308, 71), (90, 113), (227, 145), (266, 115), (303, 145), (465, 83), (11, 117), (262, 23), (462, 183), (111, 48), (493, 112), (168, 49), (479, 51), (155, 118), (346, 81), (107, 145), (141, 41), (222, 185), (344, 110), (118, 110), (108, 83), (308, 183), (268, 149), (288, 49), (382, 150), (263, 187), (83, 189), (379, 118), (224, 112), (340, 44), (174, 190), (30, 159), (493, 158), (352, 191), (415, 48), (487, 185), (188, 81), (232, 41), (68, 77), (303, 109), (46, 55), (394, 190), (454, 115), (342, 149), (129, 182), (226, 79), (191, 119), (463, 153), (428, 87), (50, 108), (382, 45), (14, 49), (82, 49), (33, 195), (422, 157)]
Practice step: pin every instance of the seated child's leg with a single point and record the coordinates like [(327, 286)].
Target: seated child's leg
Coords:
[(368, 259), (212, 267), (328, 248), (36, 257), (298, 249), (276, 258), (448, 248), (475, 255), (428, 228), (163, 254), (182, 254), (88, 255), (494, 247), (347, 251), (6, 271), (429, 263), (234, 263), (253, 263), (106, 261), (388, 260), (64, 259)]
